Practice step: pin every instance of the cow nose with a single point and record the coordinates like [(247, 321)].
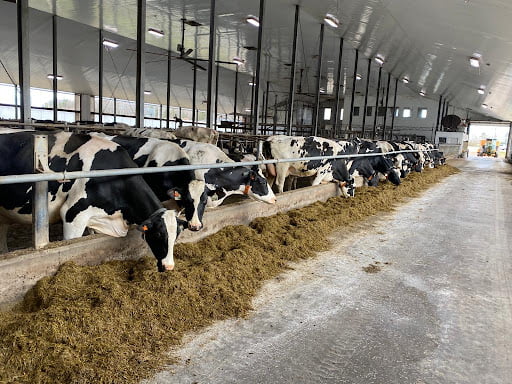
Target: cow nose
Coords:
[(195, 228), (272, 201), (169, 267)]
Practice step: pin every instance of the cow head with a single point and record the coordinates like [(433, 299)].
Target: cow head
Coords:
[(256, 186), (160, 231), (341, 174), (193, 198), (394, 176)]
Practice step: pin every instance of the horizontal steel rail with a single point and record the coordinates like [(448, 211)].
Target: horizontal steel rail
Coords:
[(64, 176)]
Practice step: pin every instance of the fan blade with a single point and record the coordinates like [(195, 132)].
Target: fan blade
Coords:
[(191, 61), (188, 52)]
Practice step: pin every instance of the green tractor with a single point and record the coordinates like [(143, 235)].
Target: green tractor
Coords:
[(489, 147)]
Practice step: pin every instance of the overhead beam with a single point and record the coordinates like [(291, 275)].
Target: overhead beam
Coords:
[(54, 69), (255, 106), (210, 110), (338, 90), (374, 132), (368, 73), (141, 73), (23, 26), (293, 71), (353, 92), (316, 115), (386, 109)]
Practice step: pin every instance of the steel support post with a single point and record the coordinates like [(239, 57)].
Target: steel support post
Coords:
[(141, 73), (211, 112), (374, 132), (265, 113), (40, 217), (291, 92), (168, 91), (54, 69), (368, 73), (338, 91), (100, 76), (316, 115), (386, 109), (439, 106), (255, 107), (353, 92), (274, 128), (216, 114), (23, 26), (394, 110), (115, 110), (236, 98), (194, 91)]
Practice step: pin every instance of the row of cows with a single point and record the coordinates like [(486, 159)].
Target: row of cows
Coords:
[(153, 202)]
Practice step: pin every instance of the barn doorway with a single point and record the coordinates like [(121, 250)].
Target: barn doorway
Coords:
[(488, 139)]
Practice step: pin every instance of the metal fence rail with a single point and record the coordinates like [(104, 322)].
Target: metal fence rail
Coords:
[(43, 175), (56, 176)]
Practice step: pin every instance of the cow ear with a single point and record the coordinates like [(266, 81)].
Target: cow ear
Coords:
[(174, 194)]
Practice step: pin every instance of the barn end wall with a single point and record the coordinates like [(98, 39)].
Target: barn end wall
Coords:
[(20, 270)]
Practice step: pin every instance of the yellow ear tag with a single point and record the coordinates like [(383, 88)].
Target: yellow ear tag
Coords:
[(144, 228)]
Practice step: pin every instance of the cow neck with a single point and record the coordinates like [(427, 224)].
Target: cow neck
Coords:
[(142, 202)]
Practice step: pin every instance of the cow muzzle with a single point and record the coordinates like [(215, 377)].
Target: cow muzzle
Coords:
[(194, 227)]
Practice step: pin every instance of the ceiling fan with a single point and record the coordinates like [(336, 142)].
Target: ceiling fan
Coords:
[(184, 54)]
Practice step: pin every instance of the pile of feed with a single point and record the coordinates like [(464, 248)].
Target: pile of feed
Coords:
[(115, 322)]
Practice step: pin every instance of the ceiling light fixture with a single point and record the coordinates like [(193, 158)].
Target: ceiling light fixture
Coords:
[(147, 92), (248, 110), (405, 80), (238, 61), (379, 60), (422, 93), (481, 90), (358, 77), (332, 20), (110, 43), (156, 32), (58, 77), (474, 62), (485, 106), (253, 20), (251, 84)]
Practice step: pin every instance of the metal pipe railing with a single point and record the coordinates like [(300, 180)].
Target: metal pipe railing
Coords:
[(58, 176)]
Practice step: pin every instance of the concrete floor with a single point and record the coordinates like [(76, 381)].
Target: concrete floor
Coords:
[(440, 312)]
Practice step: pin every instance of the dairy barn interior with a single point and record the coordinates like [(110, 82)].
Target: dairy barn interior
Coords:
[(261, 191)]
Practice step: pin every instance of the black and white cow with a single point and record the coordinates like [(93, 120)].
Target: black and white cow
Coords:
[(182, 186), (368, 170), (223, 182), (149, 132), (108, 205), (199, 134), (289, 147)]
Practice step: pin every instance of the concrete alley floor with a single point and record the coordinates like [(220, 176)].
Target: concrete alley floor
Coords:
[(440, 311)]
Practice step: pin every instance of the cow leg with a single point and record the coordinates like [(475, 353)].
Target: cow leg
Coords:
[(3, 238), (76, 228), (281, 174)]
